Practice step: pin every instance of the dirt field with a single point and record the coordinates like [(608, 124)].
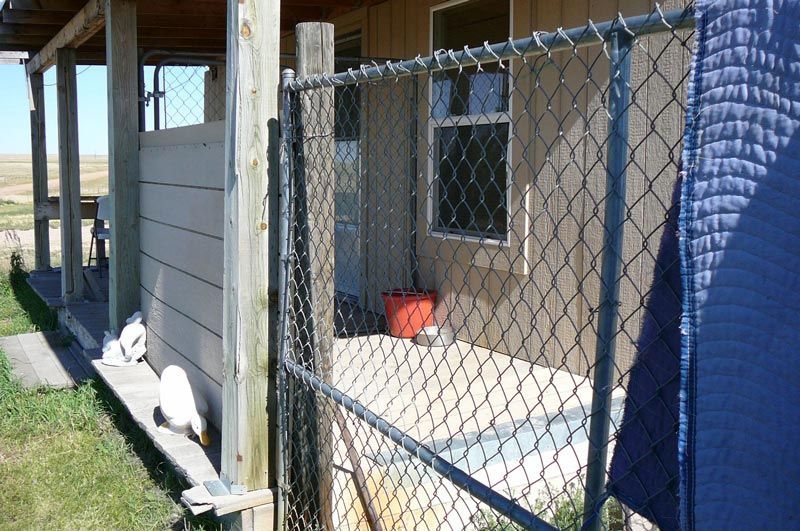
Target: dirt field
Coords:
[(16, 203)]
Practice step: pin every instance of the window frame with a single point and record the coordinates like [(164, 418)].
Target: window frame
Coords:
[(494, 118)]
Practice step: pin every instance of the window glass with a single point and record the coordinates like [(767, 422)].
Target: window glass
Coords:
[(347, 99), (470, 149), (472, 171), (469, 90), (346, 131)]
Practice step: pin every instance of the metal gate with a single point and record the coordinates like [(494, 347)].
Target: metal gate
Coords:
[(512, 198)]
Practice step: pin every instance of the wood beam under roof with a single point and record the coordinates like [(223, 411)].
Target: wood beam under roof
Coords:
[(86, 22)]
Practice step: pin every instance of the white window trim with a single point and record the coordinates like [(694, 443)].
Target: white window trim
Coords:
[(468, 119)]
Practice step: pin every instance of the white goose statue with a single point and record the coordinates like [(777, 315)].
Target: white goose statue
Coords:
[(129, 348), (183, 408)]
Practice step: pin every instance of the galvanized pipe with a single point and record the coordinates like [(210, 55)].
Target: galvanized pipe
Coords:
[(447, 470), (174, 61), (613, 229), (284, 257), (538, 44)]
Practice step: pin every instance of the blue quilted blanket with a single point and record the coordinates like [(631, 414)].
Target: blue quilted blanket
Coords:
[(740, 264)]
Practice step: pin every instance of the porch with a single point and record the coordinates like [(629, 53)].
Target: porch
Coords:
[(137, 388)]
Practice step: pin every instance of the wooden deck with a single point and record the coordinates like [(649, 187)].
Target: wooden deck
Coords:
[(85, 320), (44, 359)]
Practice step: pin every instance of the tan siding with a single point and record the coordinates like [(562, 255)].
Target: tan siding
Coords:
[(535, 298)]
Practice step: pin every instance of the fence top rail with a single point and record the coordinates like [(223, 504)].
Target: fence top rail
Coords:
[(539, 43)]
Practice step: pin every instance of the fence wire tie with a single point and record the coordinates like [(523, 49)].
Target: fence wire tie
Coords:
[(564, 36), (603, 41), (363, 70), (514, 49), (469, 54), (436, 54), (391, 69), (491, 52), (625, 25), (663, 18), (405, 69)]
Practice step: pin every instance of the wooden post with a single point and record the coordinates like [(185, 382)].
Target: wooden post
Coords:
[(41, 227), (315, 56), (251, 115), (123, 159), (69, 177)]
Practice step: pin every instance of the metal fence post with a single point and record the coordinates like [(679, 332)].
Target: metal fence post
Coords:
[(613, 225), (284, 235)]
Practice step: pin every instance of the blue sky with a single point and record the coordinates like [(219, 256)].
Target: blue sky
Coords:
[(92, 115)]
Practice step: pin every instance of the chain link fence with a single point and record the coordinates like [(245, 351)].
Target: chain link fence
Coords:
[(184, 94), (466, 302)]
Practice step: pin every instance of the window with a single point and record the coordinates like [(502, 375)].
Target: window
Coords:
[(471, 125), (346, 132)]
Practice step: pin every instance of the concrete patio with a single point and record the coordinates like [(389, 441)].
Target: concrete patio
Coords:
[(517, 427)]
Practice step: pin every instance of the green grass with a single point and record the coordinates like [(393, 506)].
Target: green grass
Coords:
[(73, 459), (14, 215)]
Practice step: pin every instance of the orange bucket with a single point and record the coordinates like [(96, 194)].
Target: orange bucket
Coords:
[(408, 310)]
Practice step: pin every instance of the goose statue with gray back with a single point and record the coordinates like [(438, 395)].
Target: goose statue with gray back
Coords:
[(183, 408), (130, 347)]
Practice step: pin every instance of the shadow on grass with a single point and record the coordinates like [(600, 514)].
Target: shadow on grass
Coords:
[(160, 471), (37, 311)]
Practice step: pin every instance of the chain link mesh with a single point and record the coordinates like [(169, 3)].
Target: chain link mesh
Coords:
[(474, 200), (186, 95)]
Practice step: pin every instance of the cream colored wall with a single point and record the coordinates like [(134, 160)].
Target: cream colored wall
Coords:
[(181, 209), (534, 298)]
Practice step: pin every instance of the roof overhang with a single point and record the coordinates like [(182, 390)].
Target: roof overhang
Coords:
[(39, 27)]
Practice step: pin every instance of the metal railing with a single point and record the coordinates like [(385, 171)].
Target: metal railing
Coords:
[(505, 202)]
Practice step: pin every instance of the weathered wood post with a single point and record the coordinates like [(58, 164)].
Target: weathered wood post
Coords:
[(315, 56), (41, 227), (69, 177), (123, 159), (251, 139)]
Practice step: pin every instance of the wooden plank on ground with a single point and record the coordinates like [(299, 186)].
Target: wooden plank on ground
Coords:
[(43, 359), (87, 321)]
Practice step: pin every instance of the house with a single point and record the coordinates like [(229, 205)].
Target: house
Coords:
[(485, 183)]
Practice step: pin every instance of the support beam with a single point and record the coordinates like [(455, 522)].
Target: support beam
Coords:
[(69, 177), (123, 159), (248, 424), (41, 228), (86, 22), (315, 56)]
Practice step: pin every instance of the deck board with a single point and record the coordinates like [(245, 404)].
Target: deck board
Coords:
[(43, 359), (47, 285), (137, 388)]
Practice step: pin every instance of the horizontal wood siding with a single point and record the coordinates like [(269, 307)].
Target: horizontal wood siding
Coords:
[(181, 253)]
